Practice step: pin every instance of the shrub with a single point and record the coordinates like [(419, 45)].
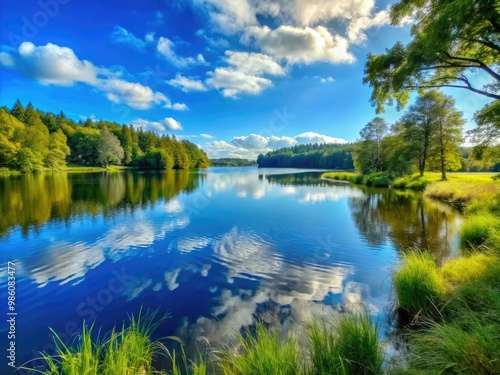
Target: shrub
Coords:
[(478, 229)]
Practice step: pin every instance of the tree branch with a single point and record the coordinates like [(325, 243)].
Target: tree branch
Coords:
[(468, 87), (479, 62)]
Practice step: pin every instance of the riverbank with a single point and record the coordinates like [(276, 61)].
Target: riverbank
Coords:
[(413, 182), (70, 169), (455, 307)]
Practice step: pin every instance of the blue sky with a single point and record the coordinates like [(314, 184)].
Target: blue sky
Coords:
[(235, 77)]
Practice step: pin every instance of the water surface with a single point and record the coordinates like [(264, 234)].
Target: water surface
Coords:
[(216, 248)]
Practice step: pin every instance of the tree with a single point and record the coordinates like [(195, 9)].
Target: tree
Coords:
[(448, 134), (451, 38), (11, 130), (18, 111), (433, 131), (109, 150), (419, 123), (368, 155), (58, 150)]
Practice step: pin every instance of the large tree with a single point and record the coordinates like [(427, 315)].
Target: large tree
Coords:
[(109, 150), (368, 156), (447, 135), (432, 131), (58, 150), (451, 39)]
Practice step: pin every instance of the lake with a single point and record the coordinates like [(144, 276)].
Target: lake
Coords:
[(217, 249)]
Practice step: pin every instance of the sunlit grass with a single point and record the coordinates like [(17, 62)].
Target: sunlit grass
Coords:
[(449, 349), (260, 353), (127, 351), (344, 346), (477, 267), (417, 282)]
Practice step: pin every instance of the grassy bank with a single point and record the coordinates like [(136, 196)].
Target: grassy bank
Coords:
[(456, 307), (415, 181)]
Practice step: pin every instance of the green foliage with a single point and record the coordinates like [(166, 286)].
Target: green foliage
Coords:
[(478, 230), (31, 140), (109, 150), (450, 39), (414, 182), (368, 152), (417, 282), (349, 345), (128, 351), (261, 352), (232, 162), (327, 156)]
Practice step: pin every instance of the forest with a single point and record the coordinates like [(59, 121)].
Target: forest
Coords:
[(34, 141), (325, 156)]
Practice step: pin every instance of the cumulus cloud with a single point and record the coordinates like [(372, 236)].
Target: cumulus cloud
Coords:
[(300, 45), (250, 146), (122, 36), (166, 48), (244, 73), (325, 79), (187, 84), (55, 65), (206, 136), (233, 82), (51, 65), (159, 126), (357, 27), (228, 16)]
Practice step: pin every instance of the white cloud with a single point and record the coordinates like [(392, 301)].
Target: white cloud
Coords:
[(300, 45), (243, 74), (187, 84), (206, 136), (177, 106), (310, 137), (311, 12), (357, 27), (172, 124), (228, 16), (325, 80), (250, 146), (166, 48), (51, 65), (55, 65), (253, 63), (123, 36), (158, 126), (233, 82), (150, 37), (133, 94)]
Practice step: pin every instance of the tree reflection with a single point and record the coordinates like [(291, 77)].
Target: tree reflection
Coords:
[(29, 201), (407, 219)]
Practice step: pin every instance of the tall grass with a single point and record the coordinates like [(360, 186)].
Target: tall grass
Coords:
[(417, 282), (127, 351), (346, 346), (449, 349), (260, 353)]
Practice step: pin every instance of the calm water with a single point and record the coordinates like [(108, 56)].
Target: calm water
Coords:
[(217, 249)]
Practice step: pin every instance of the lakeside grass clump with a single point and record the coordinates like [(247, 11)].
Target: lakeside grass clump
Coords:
[(261, 352), (418, 283), (126, 351), (348, 345)]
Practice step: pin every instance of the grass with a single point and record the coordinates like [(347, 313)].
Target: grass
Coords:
[(348, 345), (127, 351), (373, 179), (418, 283), (261, 352), (449, 349), (479, 230)]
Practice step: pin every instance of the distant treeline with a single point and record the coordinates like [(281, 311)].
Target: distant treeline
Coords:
[(32, 140), (232, 162), (325, 156)]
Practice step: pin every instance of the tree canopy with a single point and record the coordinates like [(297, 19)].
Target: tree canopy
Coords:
[(451, 40), (32, 140)]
